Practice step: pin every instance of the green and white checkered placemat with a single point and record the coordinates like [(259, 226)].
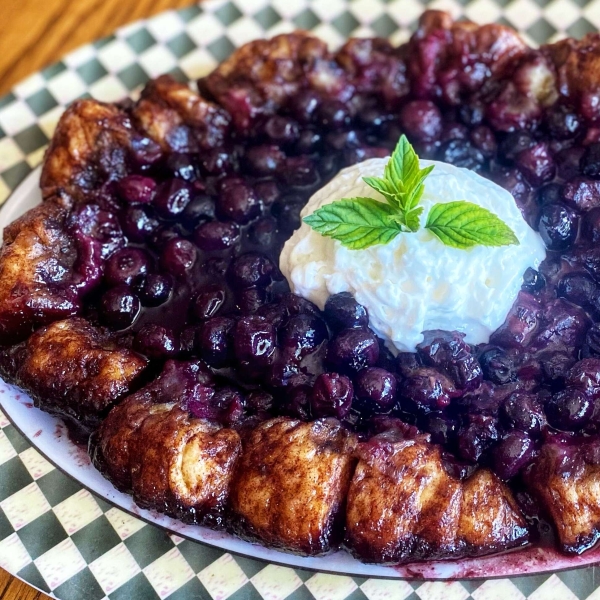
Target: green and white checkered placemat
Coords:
[(56, 535)]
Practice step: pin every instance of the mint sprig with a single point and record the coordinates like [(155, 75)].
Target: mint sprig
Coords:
[(356, 222), (464, 225), (402, 184), (359, 223)]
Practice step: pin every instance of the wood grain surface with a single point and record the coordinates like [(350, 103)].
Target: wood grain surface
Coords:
[(34, 34)]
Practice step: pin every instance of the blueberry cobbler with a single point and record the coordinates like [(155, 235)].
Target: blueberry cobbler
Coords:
[(331, 299)]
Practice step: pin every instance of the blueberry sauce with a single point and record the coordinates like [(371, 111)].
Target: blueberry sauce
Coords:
[(183, 262)]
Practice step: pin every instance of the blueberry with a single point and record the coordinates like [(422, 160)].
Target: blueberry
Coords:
[(155, 289), (353, 349), (533, 281), (249, 300), (300, 171), (263, 232), (287, 212), (101, 227), (558, 226), (514, 143), (238, 203), (422, 120), (514, 452), (342, 311), (213, 341), (524, 412), (521, 323), (375, 117), (428, 389), (254, 341), (156, 341), (216, 161), (582, 193), (590, 161), (447, 351), (376, 389), (477, 437), (252, 269), (551, 192), (183, 166), (590, 226), (136, 189), (555, 365), (268, 191), (127, 266), (344, 140), (302, 334), (308, 142), (200, 209), (569, 410), (138, 223), (303, 105), (592, 340), (333, 114), (171, 198), (165, 234), (209, 301), (296, 305), (585, 376), (484, 140), (216, 235), (119, 307), (281, 130), (537, 164), (497, 366), (563, 123), (471, 114), (264, 160), (461, 153), (578, 288), (178, 256), (331, 396)]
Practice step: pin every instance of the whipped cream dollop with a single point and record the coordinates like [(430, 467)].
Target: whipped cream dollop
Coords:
[(416, 283)]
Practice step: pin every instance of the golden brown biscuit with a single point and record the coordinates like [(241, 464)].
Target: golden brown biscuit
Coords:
[(89, 148), (566, 480), (170, 461), (177, 118), (291, 483), (403, 506), (36, 261), (262, 75), (74, 369)]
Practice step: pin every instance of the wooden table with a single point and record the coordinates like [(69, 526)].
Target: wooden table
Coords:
[(35, 34)]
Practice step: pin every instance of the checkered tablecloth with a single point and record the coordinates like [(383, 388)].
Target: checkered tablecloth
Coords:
[(58, 536)]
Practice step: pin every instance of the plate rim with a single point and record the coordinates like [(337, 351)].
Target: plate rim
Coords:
[(30, 186), (312, 569)]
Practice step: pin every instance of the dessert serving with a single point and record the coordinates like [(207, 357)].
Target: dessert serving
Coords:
[(331, 298)]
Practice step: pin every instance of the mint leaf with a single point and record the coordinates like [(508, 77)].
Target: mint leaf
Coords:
[(464, 225), (416, 188), (382, 186), (402, 177), (409, 220), (357, 223), (413, 221)]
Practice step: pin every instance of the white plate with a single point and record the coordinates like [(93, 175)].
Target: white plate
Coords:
[(49, 436)]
